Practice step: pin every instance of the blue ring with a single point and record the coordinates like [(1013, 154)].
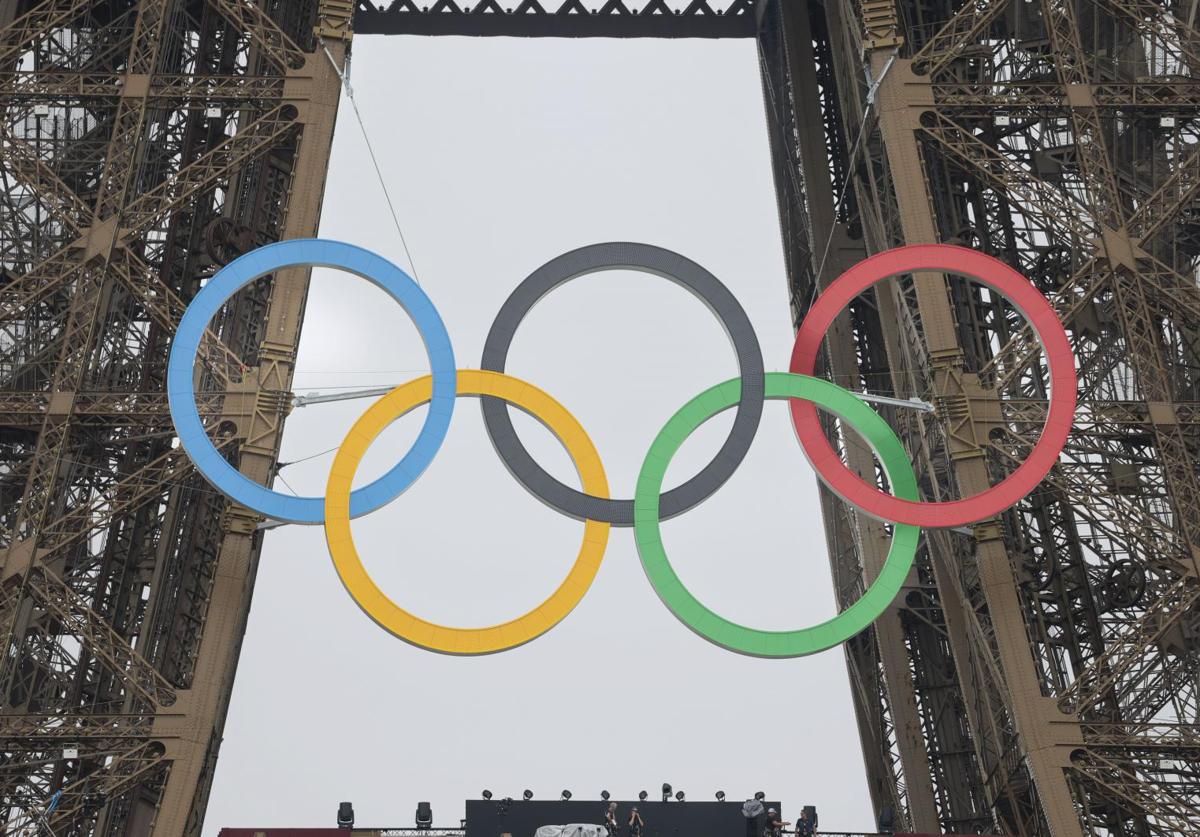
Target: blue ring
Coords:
[(303, 252)]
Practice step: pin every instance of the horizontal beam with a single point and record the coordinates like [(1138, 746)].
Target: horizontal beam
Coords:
[(571, 19), (371, 392)]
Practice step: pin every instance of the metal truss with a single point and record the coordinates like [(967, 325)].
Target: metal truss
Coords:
[(1042, 678), (1039, 674), (142, 145), (560, 18)]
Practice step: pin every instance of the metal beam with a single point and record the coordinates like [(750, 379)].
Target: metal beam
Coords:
[(559, 19)]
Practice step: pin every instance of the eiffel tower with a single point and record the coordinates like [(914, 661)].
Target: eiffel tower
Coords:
[(1039, 674)]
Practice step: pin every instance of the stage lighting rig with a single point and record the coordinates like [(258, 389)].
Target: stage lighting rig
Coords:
[(605, 795), (760, 796), (566, 796), (424, 817), (528, 794), (720, 796), (345, 815), (666, 792), (487, 794), (642, 796), (679, 796)]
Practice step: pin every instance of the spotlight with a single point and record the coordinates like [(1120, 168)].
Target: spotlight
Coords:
[(642, 796), (528, 795), (345, 816), (605, 795), (424, 816), (566, 795), (487, 794), (720, 796), (679, 796), (666, 791), (760, 796)]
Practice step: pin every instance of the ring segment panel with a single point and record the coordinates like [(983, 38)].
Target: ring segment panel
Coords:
[(644, 258), (308, 252)]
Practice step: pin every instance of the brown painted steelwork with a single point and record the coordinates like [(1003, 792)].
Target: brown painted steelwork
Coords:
[(143, 145), (1039, 675)]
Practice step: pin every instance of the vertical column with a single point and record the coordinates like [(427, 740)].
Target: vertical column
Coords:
[(1046, 740), (314, 90), (830, 237)]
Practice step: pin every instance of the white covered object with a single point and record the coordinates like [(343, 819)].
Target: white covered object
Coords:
[(575, 830)]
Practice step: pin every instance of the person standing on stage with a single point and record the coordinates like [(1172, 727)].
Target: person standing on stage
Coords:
[(636, 823), (774, 826), (610, 819), (804, 826)]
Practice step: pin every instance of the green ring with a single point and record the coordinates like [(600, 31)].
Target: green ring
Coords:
[(721, 631)]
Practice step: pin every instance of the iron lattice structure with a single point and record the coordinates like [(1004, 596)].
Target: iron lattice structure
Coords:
[(1040, 674)]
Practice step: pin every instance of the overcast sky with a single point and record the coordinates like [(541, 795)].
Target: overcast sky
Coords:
[(500, 155)]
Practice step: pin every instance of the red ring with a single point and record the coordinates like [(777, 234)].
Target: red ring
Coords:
[(1032, 305)]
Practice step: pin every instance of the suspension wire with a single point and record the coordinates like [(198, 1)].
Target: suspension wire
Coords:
[(862, 130), (279, 476), (913, 403), (837, 206), (773, 116), (305, 459), (345, 78)]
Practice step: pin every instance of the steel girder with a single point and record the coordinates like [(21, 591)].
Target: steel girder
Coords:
[(1039, 674), (142, 145), (1034, 132)]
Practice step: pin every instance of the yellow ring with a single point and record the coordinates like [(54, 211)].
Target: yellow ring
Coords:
[(395, 619)]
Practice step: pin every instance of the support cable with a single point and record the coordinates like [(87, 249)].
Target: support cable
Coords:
[(862, 130), (370, 392), (345, 79)]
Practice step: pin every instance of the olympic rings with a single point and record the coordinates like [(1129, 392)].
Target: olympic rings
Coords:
[(295, 253), (719, 630), (1027, 300), (689, 275), (393, 618), (649, 506)]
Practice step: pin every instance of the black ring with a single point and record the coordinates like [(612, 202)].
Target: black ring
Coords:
[(648, 259)]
